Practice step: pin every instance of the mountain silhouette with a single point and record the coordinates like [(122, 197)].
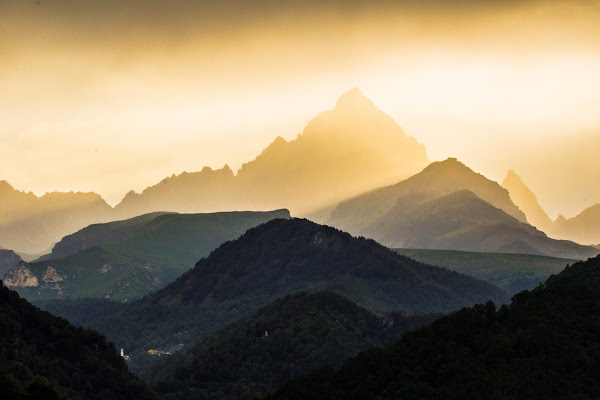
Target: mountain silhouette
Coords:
[(269, 261), (342, 152), (32, 224), (583, 228), (525, 199), (448, 206)]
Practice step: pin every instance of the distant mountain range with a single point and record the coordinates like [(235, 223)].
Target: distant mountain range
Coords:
[(32, 224), (353, 148), (526, 200), (293, 335), (448, 206), (544, 345), (128, 259), (509, 271), (583, 228), (45, 357), (279, 257), (342, 152)]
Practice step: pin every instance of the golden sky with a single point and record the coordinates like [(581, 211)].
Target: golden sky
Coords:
[(114, 95)]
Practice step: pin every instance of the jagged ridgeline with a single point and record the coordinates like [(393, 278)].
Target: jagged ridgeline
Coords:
[(340, 153), (279, 257), (45, 357), (544, 345)]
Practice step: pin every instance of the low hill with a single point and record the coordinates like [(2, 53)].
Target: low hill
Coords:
[(444, 207), (136, 256), (45, 357), (509, 271), (280, 257), (293, 335), (8, 260), (544, 345)]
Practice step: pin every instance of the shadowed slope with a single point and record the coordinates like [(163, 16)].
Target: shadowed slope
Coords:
[(543, 346), (75, 361)]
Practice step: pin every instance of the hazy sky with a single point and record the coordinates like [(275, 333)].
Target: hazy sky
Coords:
[(113, 95)]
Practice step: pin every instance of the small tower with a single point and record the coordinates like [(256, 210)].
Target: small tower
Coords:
[(266, 334), (122, 353)]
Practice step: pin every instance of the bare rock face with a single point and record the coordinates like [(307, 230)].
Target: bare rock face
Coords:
[(21, 276), (51, 276)]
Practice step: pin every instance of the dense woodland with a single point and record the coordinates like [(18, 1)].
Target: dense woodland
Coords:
[(542, 346), (45, 357), (294, 335), (272, 260)]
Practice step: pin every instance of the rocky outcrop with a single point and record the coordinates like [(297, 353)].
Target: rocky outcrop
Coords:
[(51, 276), (21, 276)]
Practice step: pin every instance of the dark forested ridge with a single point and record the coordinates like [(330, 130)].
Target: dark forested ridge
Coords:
[(545, 345), (293, 335), (45, 357), (267, 262)]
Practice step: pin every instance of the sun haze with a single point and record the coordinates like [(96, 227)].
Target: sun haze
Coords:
[(109, 96)]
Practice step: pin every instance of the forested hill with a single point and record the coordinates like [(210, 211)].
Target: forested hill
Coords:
[(269, 261), (293, 335), (545, 345), (45, 357)]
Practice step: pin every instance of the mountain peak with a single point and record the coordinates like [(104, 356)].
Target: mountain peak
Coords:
[(353, 99), (5, 186), (512, 176)]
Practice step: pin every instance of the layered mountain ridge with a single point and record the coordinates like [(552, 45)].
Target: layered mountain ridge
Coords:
[(448, 206), (269, 261)]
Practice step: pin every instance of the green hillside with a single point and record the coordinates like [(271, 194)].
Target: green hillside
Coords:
[(509, 271), (543, 346), (274, 259), (45, 357), (144, 254)]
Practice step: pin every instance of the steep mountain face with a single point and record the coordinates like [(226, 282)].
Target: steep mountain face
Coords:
[(8, 260), (353, 148), (583, 228), (524, 198), (45, 357), (448, 206), (272, 260), (543, 346), (32, 224), (293, 335), (125, 260)]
